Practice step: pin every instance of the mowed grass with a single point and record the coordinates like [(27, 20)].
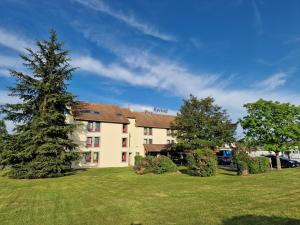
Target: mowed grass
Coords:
[(119, 196)]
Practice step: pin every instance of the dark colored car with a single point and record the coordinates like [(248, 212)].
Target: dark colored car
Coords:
[(285, 162)]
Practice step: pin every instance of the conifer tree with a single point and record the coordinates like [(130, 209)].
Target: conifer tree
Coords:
[(41, 145), (3, 143)]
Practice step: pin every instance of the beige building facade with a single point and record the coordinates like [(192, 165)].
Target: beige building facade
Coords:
[(111, 136)]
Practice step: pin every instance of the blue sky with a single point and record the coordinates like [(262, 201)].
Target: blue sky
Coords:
[(154, 53)]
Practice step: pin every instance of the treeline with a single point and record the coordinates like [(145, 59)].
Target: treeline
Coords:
[(40, 145)]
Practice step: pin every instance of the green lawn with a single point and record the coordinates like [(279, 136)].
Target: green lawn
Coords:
[(119, 196)]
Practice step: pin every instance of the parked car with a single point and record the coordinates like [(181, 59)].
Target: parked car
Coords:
[(285, 162)]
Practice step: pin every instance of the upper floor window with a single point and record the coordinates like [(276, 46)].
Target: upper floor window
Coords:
[(145, 141), (124, 142), (90, 126), (150, 141), (125, 127), (97, 126), (93, 126), (172, 141), (147, 130), (89, 142), (169, 132), (168, 142), (97, 142)]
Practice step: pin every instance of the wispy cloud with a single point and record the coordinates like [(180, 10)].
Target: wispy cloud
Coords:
[(258, 23), (274, 81), (142, 108), (13, 41), (126, 18)]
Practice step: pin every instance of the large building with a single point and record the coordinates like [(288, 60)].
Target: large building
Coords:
[(110, 136)]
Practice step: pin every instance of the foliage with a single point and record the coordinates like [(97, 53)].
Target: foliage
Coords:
[(202, 124), (4, 136), (273, 125), (242, 168), (258, 165), (239, 155), (202, 162), (151, 164), (41, 145)]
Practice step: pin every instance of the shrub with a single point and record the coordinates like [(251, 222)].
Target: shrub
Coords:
[(138, 161), (264, 164), (164, 164), (242, 168), (258, 165), (240, 156), (151, 164), (202, 162)]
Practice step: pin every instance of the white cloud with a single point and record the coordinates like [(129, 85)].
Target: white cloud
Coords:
[(149, 108), (128, 19), (274, 81), (13, 40)]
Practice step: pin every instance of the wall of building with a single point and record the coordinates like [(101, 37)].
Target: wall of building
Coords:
[(110, 149)]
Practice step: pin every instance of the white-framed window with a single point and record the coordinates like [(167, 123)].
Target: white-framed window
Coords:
[(145, 141)]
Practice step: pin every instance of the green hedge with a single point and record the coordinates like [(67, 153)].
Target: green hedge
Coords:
[(253, 165), (151, 164), (258, 165), (202, 162)]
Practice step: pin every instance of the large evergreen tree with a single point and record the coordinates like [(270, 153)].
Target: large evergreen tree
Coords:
[(3, 143), (41, 145), (201, 123)]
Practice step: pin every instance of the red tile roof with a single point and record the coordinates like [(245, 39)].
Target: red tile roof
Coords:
[(101, 112), (147, 119), (156, 147), (115, 114)]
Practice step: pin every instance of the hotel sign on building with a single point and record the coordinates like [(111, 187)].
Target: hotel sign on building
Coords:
[(110, 136)]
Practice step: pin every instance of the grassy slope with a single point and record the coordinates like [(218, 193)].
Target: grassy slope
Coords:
[(118, 196)]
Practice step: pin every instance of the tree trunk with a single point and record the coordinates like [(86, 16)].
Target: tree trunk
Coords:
[(278, 163)]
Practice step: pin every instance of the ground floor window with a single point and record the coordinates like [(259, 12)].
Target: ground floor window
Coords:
[(87, 158), (124, 156), (95, 157)]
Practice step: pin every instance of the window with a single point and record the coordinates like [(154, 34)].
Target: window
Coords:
[(145, 141), (97, 126), (150, 141), (125, 128), (90, 126), (168, 142), (95, 157), (168, 132), (172, 141), (124, 142), (137, 153), (145, 131), (87, 157), (124, 156), (89, 142), (97, 142), (150, 131)]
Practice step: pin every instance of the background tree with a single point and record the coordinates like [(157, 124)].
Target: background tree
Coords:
[(273, 125), (202, 124), (41, 145)]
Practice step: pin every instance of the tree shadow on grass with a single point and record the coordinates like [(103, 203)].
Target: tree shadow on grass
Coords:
[(260, 220)]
